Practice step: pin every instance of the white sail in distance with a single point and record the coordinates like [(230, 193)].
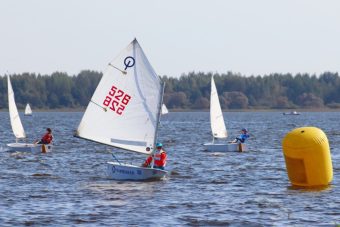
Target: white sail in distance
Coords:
[(164, 109), (28, 110), (125, 108), (18, 129), (218, 127)]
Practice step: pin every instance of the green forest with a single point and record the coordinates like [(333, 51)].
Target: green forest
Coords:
[(189, 91)]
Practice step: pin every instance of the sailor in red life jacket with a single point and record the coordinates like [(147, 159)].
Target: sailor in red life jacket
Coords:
[(159, 158), (47, 138)]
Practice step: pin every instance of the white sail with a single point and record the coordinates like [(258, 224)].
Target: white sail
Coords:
[(164, 109), (17, 127), (216, 117), (28, 110), (125, 107)]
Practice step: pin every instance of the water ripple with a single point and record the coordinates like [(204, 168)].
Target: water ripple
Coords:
[(69, 186)]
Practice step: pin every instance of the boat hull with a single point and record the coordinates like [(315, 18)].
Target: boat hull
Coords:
[(30, 147), (225, 147), (120, 171), (291, 113)]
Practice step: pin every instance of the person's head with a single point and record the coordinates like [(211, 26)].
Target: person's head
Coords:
[(244, 130), (147, 149), (49, 130), (159, 146)]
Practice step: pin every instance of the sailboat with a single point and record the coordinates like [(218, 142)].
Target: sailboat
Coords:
[(218, 128), (164, 109), (291, 113), (28, 110), (18, 129), (124, 112)]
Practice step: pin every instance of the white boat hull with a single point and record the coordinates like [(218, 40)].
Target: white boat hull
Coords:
[(120, 171), (225, 147), (30, 147), (291, 113)]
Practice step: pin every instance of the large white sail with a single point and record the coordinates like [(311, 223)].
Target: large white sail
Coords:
[(125, 107), (17, 127), (28, 110), (164, 109), (216, 117)]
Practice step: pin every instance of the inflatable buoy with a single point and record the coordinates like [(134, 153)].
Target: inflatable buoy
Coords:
[(307, 155)]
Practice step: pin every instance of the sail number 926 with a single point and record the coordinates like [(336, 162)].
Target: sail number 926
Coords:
[(117, 100)]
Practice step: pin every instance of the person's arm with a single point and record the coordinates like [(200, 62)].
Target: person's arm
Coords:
[(147, 161), (163, 159)]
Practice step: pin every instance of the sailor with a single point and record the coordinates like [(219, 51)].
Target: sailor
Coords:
[(243, 137), (159, 158), (47, 138)]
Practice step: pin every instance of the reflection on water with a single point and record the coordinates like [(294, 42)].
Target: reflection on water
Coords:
[(69, 186)]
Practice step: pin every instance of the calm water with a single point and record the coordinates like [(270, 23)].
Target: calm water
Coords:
[(69, 186)]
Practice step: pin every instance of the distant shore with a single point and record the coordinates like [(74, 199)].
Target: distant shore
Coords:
[(198, 110), (262, 110), (51, 110)]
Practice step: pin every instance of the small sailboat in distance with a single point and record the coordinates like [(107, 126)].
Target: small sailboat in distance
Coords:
[(28, 110), (218, 128), (164, 109), (18, 129), (291, 113), (124, 112)]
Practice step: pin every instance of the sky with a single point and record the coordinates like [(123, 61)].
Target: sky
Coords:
[(251, 37)]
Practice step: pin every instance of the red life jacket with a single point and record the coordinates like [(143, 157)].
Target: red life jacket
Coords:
[(159, 159), (47, 138)]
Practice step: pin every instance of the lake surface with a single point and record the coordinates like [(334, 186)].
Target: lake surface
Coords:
[(69, 186)]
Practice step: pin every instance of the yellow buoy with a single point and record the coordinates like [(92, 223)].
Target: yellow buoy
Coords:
[(307, 155)]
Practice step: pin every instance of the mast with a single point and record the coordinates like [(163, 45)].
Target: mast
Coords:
[(159, 113)]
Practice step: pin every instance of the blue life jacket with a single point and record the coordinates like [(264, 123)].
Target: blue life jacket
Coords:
[(243, 137)]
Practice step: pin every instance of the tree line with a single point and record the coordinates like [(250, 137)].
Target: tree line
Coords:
[(189, 91), (276, 91), (58, 90)]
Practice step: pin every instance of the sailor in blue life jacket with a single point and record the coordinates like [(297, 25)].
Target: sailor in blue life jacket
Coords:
[(243, 137)]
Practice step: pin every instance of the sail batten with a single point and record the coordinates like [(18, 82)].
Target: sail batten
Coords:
[(130, 104), (17, 128), (218, 127), (129, 142), (111, 145)]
